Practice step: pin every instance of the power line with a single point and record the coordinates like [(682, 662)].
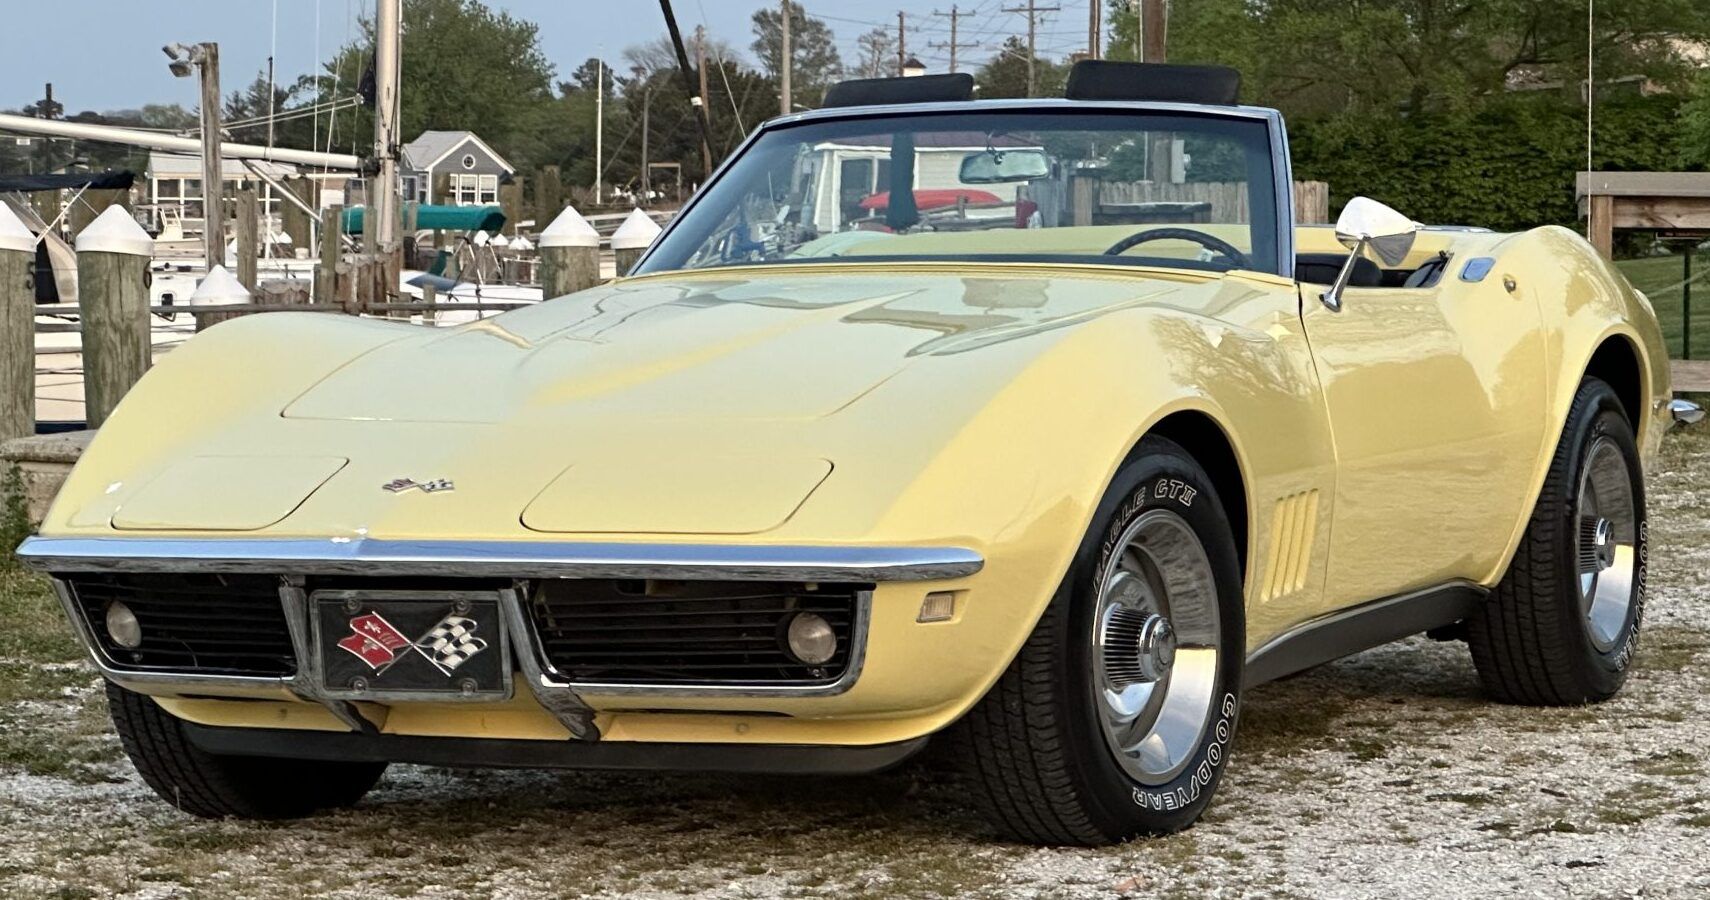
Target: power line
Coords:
[(1032, 10), (954, 17)]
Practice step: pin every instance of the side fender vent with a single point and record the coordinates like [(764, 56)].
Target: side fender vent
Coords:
[(1293, 526)]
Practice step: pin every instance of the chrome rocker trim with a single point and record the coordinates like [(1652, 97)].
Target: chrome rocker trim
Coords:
[(503, 559)]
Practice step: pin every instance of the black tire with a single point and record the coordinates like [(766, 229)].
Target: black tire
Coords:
[(212, 787), (1529, 640), (1033, 749)]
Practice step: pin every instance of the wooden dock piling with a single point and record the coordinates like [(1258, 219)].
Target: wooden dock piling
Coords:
[(112, 271), (326, 273), (248, 236), (17, 328), (632, 239), (569, 255)]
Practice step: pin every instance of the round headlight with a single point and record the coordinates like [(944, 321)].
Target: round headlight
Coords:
[(811, 639), (122, 625)]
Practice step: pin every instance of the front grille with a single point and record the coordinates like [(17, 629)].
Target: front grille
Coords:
[(688, 632), (206, 624)]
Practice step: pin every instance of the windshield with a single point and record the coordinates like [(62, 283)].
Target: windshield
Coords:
[(1102, 186)]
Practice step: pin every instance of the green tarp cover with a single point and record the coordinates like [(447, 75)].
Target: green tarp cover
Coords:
[(440, 218)]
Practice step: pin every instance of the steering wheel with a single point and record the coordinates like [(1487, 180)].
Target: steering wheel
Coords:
[(1215, 244)]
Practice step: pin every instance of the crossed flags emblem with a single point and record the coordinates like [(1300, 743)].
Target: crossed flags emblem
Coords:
[(446, 646)]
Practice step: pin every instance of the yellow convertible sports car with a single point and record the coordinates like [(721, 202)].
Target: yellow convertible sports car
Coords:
[(1037, 427)]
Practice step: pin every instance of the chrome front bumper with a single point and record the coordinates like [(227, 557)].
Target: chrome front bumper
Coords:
[(294, 559)]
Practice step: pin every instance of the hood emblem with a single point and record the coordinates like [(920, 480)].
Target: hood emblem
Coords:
[(400, 485)]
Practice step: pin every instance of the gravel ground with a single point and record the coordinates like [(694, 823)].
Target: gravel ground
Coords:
[(1383, 775)]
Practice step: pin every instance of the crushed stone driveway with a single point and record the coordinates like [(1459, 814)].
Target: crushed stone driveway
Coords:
[(1383, 775)]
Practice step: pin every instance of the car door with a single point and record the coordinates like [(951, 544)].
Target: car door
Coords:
[(1436, 401)]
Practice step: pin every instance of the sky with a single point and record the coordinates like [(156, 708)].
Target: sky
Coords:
[(105, 55)]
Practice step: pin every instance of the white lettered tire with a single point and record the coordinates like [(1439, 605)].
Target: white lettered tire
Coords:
[(1070, 746)]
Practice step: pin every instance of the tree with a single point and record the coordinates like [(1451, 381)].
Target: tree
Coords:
[(1005, 74), (1695, 123), (465, 67), (1328, 57), (878, 53), (813, 52), (253, 104)]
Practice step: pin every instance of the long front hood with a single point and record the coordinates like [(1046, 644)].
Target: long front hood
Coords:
[(784, 346), (789, 403)]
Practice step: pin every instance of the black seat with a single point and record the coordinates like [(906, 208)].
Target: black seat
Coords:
[(1322, 268)]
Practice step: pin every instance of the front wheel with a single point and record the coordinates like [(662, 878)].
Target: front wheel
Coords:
[(212, 786), (1116, 717), (1562, 625)]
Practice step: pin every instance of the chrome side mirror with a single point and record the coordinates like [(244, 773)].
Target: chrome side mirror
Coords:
[(1366, 224)]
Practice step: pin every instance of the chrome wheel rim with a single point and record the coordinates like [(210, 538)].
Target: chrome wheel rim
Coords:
[(1605, 543), (1155, 647)]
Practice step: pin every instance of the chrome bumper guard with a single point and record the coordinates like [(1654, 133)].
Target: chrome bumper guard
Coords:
[(1684, 412), (293, 559)]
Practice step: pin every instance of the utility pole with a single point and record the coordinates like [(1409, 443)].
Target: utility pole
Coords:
[(1032, 10), (1095, 33), (955, 17), (599, 125), (701, 65), (646, 174), (385, 204), (688, 77), (902, 41), (786, 59), (1154, 30)]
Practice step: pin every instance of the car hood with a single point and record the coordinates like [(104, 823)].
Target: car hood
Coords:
[(797, 401), (758, 345)]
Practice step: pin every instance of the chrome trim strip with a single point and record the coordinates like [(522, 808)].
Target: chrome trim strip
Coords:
[(506, 559)]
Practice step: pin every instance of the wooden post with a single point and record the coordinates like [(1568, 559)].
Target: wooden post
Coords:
[(548, 194), (511, 201), (326, 273), (569, 255), (248, 236), (17, 328), (1602, 212), (295, 220), (1083, 199), (112, 268)]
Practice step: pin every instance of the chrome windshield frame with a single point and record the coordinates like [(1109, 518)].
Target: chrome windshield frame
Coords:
[(1282, 165)]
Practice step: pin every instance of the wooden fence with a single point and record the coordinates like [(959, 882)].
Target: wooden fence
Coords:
[(1228, 199)]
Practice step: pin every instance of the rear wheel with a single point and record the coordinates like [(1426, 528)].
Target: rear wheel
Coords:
[(1116, 717), (1562, 626), (204, 784)]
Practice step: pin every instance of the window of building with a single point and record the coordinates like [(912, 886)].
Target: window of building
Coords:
[(474, 190)]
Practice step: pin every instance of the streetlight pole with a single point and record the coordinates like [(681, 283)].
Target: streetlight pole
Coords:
[(205, 59)]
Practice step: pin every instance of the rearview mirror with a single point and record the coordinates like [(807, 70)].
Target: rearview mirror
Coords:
[(1366, 224), (1001, 166)]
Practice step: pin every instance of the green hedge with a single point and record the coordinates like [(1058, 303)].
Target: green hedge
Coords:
[(1507, 165)]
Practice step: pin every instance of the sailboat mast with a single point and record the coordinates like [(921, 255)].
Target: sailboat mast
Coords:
[(599, 125), (385, 204)]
